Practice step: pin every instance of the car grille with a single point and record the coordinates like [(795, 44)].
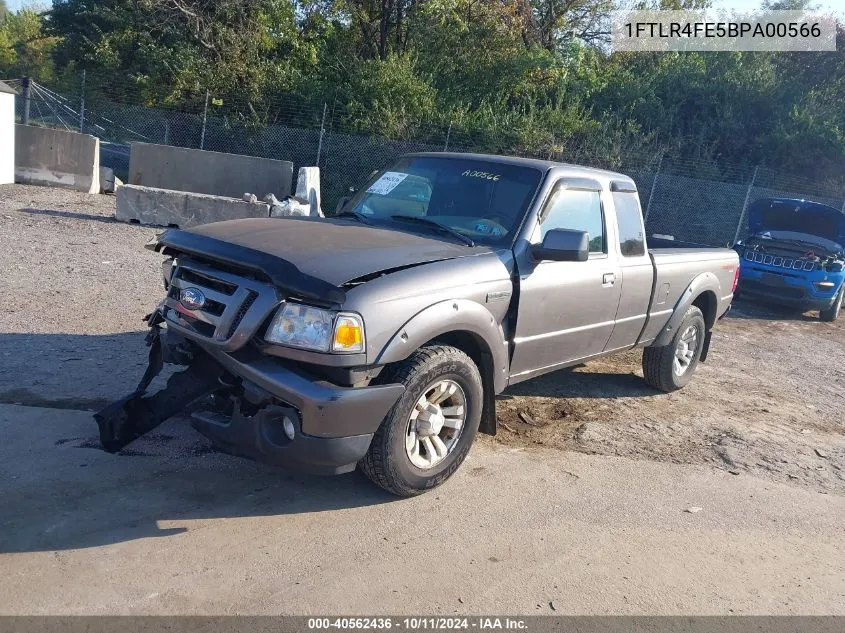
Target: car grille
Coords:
[(773, 290), (779, 261), (233, 309)]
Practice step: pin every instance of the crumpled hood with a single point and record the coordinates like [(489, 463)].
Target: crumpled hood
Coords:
[(797, 216), (335, 251)]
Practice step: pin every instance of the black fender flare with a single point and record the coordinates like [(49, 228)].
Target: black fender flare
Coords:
[(446, 317)]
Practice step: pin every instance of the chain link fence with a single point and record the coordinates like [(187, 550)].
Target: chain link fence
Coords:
[(695, 201)]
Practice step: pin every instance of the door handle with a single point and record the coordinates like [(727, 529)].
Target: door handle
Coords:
[(608, 279)]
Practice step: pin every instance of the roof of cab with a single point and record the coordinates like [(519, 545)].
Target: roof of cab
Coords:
[(545, 165)]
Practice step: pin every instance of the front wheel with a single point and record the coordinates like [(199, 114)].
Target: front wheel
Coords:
[(670, 367), (832, 313), (428, 432)]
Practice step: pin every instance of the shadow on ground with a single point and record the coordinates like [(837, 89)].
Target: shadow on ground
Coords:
[(59, 490), (753, 309), (75, 215), (567, 383)]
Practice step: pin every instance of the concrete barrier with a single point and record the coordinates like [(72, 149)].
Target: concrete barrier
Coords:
[(212, 173), (166, 207), (45, 156), (7, 134)]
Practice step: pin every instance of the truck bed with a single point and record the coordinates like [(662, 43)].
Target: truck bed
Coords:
[(663, 243), (674, 269)]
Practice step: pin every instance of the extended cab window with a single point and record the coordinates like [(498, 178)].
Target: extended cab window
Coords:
[(629, 218), (576, 210)]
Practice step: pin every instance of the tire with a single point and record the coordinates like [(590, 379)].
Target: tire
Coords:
[(389, 463), (832, 313), (659, 367)]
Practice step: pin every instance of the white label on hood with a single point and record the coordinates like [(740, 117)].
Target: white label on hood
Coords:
[(388, 182)]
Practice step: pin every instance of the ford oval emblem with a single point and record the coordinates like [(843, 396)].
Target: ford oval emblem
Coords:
[(192, 298)]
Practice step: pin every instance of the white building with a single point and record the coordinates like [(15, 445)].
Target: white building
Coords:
[(7, 134)]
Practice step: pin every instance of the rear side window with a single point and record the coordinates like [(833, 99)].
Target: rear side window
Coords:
[(576, 210), (629, 217)]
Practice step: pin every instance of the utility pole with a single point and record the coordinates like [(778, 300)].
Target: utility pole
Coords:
[(745, 205), (653, 187), (204, 119), (82, 105), (322, 132), (27, 98), (448, 136)]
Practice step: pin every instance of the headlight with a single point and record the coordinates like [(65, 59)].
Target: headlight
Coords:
[(305, 327)]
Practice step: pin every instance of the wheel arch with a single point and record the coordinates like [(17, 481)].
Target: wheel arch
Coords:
[(467, 326), (702, 292), (708, 303), (477, 349)]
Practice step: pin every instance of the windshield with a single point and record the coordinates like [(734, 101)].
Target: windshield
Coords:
[(484, 201)]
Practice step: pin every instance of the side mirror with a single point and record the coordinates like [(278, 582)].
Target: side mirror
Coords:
[(563, 245), (340, 204)]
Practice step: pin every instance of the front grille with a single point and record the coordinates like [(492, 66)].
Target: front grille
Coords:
[(778, 261), (784, 291), (199, 279), (241, 313), (221, 320)]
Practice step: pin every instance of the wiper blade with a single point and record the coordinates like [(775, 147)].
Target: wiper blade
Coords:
[(363, 219), (442, 228)]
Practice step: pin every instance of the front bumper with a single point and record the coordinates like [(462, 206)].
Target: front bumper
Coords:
[(790, 295), (261, 437), (328, 430), (332, 425)]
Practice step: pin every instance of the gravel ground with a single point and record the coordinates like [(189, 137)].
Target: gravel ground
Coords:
[(768, 402)]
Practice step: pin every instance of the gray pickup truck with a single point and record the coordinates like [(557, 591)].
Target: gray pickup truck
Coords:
[(381, 336)]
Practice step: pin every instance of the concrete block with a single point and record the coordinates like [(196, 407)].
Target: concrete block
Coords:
[(106, 180), (213, 173), (308, 188), (165, 207), (289, 207), (7, 135), (57, 158)]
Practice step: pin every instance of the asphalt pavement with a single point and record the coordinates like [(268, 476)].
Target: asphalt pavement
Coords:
[(172, 527)]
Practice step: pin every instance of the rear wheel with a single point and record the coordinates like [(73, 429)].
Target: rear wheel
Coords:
[(832, 313), (427, 434), (670, 367)]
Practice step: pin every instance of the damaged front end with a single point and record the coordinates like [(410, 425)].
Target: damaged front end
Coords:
[(124, 421), (219, 300)]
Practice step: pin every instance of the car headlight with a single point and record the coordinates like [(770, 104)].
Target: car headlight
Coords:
[(302, 326)]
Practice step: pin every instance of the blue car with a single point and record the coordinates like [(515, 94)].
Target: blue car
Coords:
[(794, 255)]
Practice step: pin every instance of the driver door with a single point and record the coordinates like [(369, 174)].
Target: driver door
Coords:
[(567, 310)]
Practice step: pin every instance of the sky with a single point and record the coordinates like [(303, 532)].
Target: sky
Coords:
[(740, 5), (749, 5)]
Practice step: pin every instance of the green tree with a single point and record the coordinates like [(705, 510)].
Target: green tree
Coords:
[(172, 51), (25, 46)]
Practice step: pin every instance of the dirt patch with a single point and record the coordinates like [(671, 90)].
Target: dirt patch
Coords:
[(768, 401)]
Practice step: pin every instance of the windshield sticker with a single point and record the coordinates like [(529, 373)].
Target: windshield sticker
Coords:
[(483, 227), (388, 182), (482, 174)]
